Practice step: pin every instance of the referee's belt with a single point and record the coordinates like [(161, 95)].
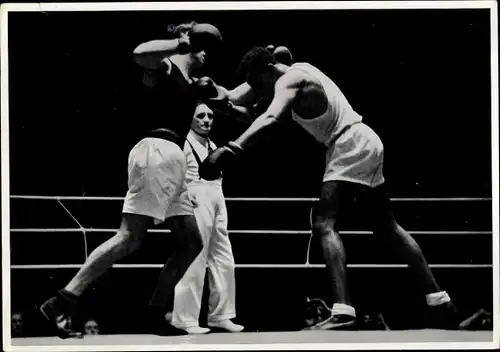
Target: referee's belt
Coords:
[(166, 134)]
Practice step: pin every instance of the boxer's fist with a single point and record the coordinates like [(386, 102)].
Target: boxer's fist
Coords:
[(184, 44), (203, 37), (218, 160), (211, 168), (208, 92), (281, 54), (206, 88)]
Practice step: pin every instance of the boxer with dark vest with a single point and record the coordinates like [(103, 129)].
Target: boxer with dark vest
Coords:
[(156, 176)]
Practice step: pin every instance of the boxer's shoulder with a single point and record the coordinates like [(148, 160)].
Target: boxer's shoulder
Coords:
[(296, 77)]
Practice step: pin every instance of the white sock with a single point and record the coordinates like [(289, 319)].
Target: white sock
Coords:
[(344, 309), (437, 298)]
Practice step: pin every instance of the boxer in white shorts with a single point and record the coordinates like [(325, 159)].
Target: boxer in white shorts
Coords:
[(217, 255), (156, 176), (157, 187), (354, 169)]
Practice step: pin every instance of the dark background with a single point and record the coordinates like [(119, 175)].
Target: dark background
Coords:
[(419, 78)]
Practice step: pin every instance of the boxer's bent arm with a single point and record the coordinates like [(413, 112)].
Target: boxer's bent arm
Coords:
[(242, 95), (240, 109), (282, 100), (150, 54), (239, 112), (236, 112)]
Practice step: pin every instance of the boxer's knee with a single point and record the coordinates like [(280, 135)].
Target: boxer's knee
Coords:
[(394, 234), (380, 213), (325, 213), (323, 226), (387, 226), (133, 230), (325, 229)]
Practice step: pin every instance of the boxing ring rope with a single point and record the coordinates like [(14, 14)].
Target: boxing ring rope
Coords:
[(261, 266), (80, 229), (84, 231), (256, 199), (256, 232)]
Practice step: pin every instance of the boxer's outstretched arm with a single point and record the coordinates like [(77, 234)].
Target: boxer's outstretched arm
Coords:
[(150, 54), (238, 112), (283, 97), (242, 95)]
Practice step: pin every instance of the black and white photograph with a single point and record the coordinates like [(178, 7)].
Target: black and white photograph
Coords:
[(250, 175)]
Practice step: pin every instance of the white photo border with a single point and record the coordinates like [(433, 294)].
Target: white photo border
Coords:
[(217, 6)]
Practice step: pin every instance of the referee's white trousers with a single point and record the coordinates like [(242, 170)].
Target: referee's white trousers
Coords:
[(217, 255)]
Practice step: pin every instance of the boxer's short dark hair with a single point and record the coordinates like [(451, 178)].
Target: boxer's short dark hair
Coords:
[(175, 30), (256, 60)]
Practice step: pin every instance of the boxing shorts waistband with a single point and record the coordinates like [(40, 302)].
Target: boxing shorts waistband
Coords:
[(166, 134), (342, 131)]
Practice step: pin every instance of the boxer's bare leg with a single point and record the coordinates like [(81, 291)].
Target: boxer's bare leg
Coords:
[(58, 309), (325, 217), (444, 314), (386, 227), (133, 230)]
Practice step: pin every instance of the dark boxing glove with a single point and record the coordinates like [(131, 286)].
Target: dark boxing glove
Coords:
[(206, 89), (215, 98), (204, 37), (281, 54), (218, 160)]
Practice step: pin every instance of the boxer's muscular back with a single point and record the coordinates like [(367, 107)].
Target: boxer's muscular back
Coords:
[(337, 115)]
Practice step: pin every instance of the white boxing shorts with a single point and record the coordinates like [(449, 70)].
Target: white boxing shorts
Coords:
[(156, 180), (356, 156)]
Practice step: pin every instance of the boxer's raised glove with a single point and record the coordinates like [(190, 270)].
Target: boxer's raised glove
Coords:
[(202, 37), (218, 160), (281, 54)]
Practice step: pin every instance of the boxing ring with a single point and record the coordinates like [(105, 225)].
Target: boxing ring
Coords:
[(438, 339)]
